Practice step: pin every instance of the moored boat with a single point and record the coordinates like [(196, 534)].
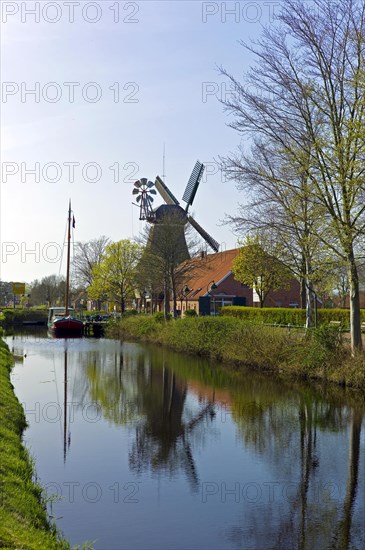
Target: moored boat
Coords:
[(61, 320)]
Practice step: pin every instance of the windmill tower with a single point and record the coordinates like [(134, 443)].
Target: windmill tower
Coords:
[(171, 218)]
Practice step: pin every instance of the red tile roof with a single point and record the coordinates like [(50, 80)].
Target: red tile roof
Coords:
[(213, 267)]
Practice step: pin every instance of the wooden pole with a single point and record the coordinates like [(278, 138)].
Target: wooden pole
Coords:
[(68, 259)]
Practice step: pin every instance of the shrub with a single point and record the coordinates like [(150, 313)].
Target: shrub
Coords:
[(319, 353), (129, 313), (17, 316), (292, 316), (159, 316), (191, 313), (274, 315)]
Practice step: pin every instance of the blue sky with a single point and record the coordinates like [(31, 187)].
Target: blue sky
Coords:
[(114, 81)]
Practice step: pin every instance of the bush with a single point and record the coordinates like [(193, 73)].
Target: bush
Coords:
[(191, 313), (18, 316), (159, 316), (269, 315), (286, 316), (129, 313)]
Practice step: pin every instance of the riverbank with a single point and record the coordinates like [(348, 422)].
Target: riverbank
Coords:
[(24, 522), (321, 354), (17, 317)]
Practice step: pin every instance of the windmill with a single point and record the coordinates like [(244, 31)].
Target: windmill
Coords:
[(144, 191), (171, 213)]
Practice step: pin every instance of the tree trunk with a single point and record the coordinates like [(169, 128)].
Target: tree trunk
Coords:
[(355, 321), (309, 322), (303, 293), (174, 293), (166, 299)]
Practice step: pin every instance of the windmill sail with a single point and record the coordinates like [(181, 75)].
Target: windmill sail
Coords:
[(208, 239), (168, 220), (193, 184), (165, 192)]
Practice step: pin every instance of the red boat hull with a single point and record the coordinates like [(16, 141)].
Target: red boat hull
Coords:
[(68, 325)]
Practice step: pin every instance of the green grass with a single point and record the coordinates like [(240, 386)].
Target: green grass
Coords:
[(24, 523), (316, 354)]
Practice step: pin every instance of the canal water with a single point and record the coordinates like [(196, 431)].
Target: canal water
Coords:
[(141, 448)]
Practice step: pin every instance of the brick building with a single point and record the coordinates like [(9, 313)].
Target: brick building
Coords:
[(216, 270)]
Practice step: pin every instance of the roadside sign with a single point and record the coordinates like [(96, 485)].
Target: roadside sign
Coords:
[(18, 288)]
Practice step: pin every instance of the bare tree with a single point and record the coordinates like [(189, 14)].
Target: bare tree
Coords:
[(87, 256), (279, 204), (50, 290), (164, 265), (309, 103)]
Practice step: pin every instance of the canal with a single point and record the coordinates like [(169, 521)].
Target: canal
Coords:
[(142, 448)]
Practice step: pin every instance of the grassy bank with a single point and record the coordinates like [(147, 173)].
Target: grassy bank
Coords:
[(23, 518), (320, 354)]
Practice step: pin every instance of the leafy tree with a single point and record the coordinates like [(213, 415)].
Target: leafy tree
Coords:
[(115, 275), (259, 270), (150, 278), (306, 97)]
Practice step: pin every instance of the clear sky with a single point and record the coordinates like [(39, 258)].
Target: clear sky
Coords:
[(90, 93)]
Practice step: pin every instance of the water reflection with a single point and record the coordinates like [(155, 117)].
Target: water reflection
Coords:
[(280, 424), (267, 463), (155, 400)]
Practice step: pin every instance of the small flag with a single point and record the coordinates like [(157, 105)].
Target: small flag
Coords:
[(73, 221)]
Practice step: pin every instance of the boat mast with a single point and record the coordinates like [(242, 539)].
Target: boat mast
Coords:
[(68, 259)]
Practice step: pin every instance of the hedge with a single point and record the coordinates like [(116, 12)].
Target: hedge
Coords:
[(286, 316), (18, 316)]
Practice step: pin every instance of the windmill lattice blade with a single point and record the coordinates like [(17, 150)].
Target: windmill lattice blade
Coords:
[(144, 181), (165, 192), (208, 239), (193, 183), (137, 184), (153, 191), (135, 191)]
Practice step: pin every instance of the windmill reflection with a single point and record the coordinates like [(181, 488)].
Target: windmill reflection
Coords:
[(153, 400), (163, 436)]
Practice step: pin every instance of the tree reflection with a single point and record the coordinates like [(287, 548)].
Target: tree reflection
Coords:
[(286, 433), (288, 426), (344, 530), (112, 385)]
